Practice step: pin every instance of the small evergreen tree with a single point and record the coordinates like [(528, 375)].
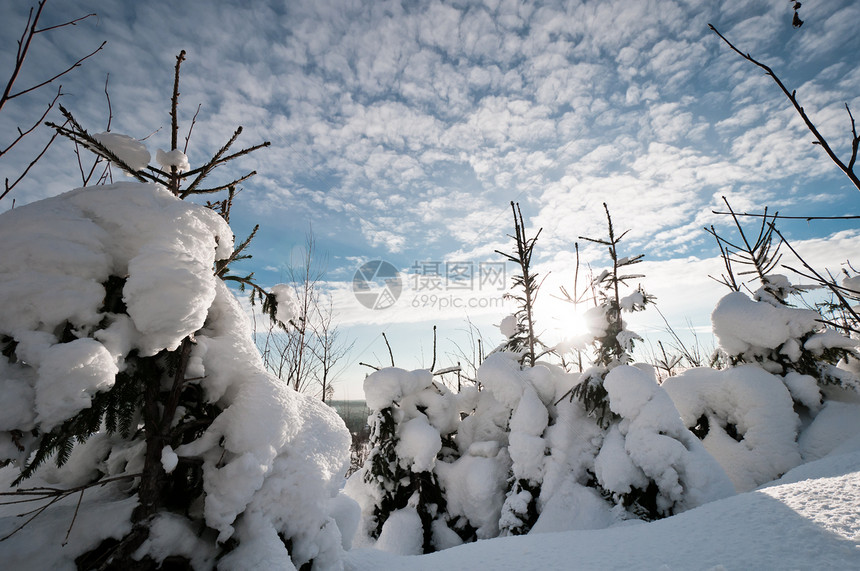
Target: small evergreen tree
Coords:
[(520, 512), (613, 342), (525, 339), (405, 438)]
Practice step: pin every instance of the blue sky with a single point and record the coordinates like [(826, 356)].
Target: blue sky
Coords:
[(401, 131)]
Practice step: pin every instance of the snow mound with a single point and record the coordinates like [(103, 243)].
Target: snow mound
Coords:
[(743, 325), (658, 445), (387, 386), (745, 417)]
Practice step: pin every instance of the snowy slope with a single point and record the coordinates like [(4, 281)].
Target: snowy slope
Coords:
[(809, 519)]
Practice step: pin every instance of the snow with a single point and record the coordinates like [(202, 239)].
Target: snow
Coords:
[(475, 489), (852, 283), (389, 385), (288, 305), (660, 445), (130, 151), (804, 389), (169, 459), (402, 533), (96, 278), (170, 533), (757, 404), (811, 523), (419, 444), (508, 326), (829, 338), (69, 374), (741, 324), (170, 159), (632, 302), (829, 429), (281, 450), (500, 374)]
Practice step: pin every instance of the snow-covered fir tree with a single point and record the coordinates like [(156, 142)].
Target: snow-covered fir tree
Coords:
[(130, 375), (647, 463), (403, 505), (132, 383)]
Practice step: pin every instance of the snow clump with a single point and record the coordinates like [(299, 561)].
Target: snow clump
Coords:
[(130, 151)]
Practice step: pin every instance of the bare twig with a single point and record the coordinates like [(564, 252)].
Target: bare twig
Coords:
[(433, 365), (107, 96), (56, 494), (759, 255), (781, 217), (231, 184), (174, 122), (74, 517), (36, 123), (8, 187), (844, 303), (191, 128), (30, 32), (390, 353)]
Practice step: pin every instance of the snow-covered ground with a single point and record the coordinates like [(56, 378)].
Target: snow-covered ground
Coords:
[(808, 519)]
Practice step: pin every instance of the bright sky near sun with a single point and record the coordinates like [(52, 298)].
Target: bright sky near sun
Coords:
[(401, 132)]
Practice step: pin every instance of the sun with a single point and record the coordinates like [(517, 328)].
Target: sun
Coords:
[(560, 322)]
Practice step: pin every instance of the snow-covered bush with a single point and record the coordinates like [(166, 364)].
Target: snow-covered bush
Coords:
[(523, 394), (403, 507), (783, 340), (782, 359), (127, 362), (643, 463), (639, 457), (745, 418), (798, 344)]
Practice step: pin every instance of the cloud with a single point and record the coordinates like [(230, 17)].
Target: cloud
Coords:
[(405, 130)]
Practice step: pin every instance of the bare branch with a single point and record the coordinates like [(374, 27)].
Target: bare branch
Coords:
[(218, 159), (819, 139), (55, 494), (855, 140), (36, 123), (233, 183), (781, 217), (107, 96), (63, 25), (433, 366), (819, 278), (59, 75), (9, 187), (173, 184)]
